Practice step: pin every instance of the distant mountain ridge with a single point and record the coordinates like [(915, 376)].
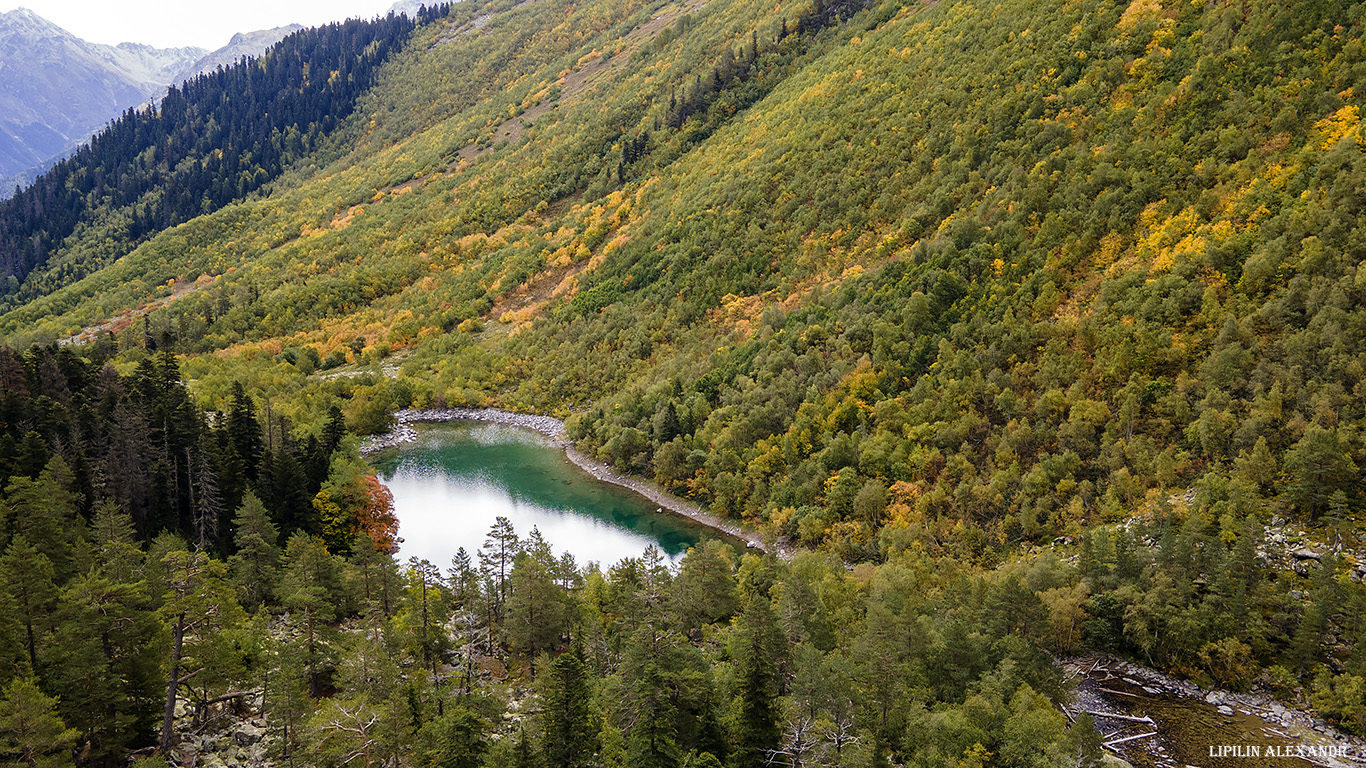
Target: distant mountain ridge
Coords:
[(242, 44), (207, 141), (408, 7), (56, 89)]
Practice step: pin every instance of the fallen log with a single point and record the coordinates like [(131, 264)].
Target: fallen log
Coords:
[(1129, 718), (1128, 738), (1119, 693)]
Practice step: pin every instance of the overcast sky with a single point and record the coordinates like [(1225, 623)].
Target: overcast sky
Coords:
[(204, 23)]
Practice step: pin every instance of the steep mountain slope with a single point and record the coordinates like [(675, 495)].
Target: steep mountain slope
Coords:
[(212, 140), (56, 89), (955, 279), (954, 273)]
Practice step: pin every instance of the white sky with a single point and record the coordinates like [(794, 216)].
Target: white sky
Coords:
[(204, 23)]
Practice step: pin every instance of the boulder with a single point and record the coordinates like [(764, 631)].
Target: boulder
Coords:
[(248, 734)]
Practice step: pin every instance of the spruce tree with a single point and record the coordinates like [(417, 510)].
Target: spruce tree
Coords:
[(756, 732), (569, 731), (256, 566), (244, 430)]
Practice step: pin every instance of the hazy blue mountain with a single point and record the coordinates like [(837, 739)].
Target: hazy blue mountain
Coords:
[(56, 89)]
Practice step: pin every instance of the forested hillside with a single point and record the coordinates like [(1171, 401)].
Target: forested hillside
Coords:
[(906, 284), (210, 141)]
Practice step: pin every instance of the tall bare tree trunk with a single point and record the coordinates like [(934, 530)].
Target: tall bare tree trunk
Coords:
[(172, 683)]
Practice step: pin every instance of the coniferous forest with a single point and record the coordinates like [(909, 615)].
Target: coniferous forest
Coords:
[(1030, 329), (214, 139)]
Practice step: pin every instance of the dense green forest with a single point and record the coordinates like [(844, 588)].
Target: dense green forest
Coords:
[(516, 657), (918, 288)]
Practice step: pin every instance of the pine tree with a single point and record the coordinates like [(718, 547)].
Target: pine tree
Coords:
[(1319, 465), (31, 732), (309, 586), (463, 580), (426, 613), (1087, 739), (27, 576), (524, 756), (495, 561), (705, 589), (198, 604), (285, 695), (116, 547), (459, 739), (536, 616), (376, 576), (105, 664), (44, 512)]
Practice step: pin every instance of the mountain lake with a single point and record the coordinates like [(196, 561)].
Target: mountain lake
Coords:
[(457, 478)]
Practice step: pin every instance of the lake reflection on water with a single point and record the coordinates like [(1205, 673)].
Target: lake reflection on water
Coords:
[(451, 485)]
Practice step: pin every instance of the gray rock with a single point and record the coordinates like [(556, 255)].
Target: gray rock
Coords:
[(1305, 553), (248, 734), (1225, 709)]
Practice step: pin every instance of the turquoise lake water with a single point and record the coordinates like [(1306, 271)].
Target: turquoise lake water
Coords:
[(453, 482)]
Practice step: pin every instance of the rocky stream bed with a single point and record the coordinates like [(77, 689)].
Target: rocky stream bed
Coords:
[(1152, 720)]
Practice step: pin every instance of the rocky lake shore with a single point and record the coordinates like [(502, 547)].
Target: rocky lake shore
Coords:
[(403, 432)]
